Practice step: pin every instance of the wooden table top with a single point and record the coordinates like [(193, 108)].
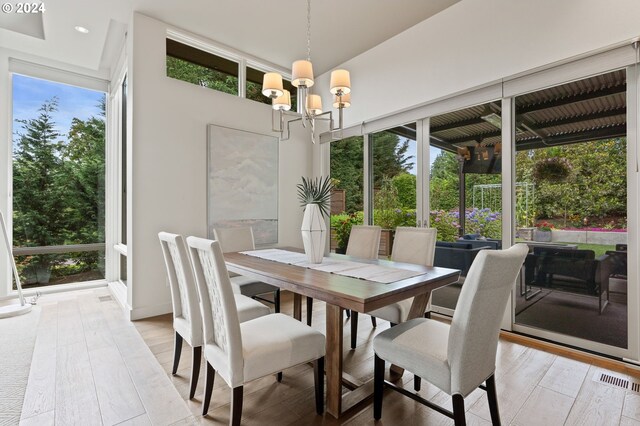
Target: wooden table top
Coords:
[(347, 292)]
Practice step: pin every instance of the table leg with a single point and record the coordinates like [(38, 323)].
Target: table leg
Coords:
[(333, 359), (297, 306), (418, 307)]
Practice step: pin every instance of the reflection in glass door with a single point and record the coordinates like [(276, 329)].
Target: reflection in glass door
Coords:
[(571, 209), (465, 190)]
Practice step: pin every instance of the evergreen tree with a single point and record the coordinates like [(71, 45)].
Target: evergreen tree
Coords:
[(38, 201)]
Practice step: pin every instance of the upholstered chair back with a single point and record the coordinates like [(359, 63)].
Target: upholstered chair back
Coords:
[(234, 239), (475, 327), (414, 245), (184, 296), (364, 241), (222, 338)]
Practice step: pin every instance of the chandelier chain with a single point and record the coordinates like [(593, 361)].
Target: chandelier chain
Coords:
[(309, 30)]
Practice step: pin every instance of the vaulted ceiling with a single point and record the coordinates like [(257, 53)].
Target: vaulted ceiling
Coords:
[(272, 30)]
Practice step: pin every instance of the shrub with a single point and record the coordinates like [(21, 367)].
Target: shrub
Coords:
[(446, 223), (483, 222)]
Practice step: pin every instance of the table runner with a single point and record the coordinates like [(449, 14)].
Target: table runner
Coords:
[(348, 268)]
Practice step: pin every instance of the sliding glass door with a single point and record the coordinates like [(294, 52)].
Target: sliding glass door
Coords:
[(571, 210)]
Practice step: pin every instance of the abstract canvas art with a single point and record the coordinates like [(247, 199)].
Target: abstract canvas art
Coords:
[(242, 182)]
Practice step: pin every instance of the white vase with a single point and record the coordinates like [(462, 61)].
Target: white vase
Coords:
[(314, 233)]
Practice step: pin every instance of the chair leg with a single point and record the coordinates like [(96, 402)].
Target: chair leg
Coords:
[(374, 323), (195, 370), (309, 310), (276, 301), (458, 410), (417, 381), (354, 329), (318, 376), (236, 406), (208, 388), (279, 377), (493, 401), (177, 350), (378, 386)]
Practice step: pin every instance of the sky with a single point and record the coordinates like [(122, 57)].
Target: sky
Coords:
[(412, 151), (73, 102)]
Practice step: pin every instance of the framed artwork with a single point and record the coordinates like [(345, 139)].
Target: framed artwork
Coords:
[(242, 182)]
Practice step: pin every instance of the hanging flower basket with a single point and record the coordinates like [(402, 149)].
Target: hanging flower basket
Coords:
[(554, 169)]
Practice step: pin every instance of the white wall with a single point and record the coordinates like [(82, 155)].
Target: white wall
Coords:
[(475, 42), (168, 162)]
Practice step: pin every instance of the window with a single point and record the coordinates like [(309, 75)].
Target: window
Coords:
[(205, 69), (347, 199), (254, 88), (58, 182), (394, 181)]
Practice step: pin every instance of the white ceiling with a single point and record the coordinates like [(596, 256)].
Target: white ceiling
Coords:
[(273, 30)]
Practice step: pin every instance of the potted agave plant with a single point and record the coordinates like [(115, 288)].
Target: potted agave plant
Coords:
[(315, 197)]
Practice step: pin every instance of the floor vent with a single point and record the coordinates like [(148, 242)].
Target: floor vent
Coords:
[(105, 298), (618, 382)]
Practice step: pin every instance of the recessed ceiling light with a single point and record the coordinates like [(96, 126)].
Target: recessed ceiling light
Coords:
[(82, 30)]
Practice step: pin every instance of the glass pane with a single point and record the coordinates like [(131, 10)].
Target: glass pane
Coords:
[(123, 269), (571, 208), (347, 172), (254, 88), (394, 181), (205, 69), (51, 269), (465, 190), (58, 180)]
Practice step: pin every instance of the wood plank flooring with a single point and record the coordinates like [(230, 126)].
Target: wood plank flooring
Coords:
[(92, 366)]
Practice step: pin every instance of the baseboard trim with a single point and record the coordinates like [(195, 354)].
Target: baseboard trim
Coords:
[(119, 292), (150, 311), (619, 366)]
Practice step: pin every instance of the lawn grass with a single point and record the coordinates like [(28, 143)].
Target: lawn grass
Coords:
[(599, 249)]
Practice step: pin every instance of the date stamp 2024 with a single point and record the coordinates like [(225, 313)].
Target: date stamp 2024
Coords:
[(23, 8)]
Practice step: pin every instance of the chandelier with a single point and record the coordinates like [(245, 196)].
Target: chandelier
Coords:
[(302, 79)]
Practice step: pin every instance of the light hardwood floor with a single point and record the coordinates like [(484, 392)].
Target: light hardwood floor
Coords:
[(92, 366)]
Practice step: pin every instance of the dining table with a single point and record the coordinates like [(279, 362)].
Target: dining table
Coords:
[(341, 292)]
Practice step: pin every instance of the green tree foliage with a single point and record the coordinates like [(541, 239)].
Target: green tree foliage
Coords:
[(58, 195), (596, 186), (390, 159), (202, 76), (405, 184), (347, 166), (445, 184), (37, 176)]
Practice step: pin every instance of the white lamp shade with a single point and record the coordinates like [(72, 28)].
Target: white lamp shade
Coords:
[(272, 85), (314, 104), (340, 82), (282, 102), (343, 101), (302, 73)]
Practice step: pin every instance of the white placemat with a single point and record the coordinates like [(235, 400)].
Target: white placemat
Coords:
[(347, 268)]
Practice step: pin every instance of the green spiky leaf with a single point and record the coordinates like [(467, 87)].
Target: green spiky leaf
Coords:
[(316, 191)]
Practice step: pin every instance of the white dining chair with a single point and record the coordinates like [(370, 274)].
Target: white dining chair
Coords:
[(456, 358), (241, 239), (364, 243), (244, 352), (187, 321), (410, 245)]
